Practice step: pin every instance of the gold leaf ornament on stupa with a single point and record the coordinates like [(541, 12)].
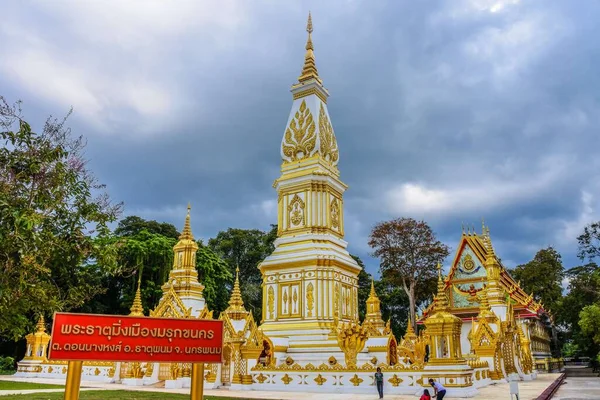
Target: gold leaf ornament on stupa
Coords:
[(300, 137)]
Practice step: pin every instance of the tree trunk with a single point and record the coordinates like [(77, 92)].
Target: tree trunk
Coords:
[(411, 305)]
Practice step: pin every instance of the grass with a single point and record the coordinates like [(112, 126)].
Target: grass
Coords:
[(112, 395), (10, 385)]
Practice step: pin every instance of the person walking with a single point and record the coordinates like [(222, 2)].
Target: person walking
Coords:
[(379, 382), (439, 390)]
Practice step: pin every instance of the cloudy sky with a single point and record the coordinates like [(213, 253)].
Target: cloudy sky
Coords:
[(448, 111)]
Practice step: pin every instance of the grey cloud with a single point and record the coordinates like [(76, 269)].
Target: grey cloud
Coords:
[(446, 95)]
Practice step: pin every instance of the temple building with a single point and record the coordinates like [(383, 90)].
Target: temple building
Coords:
[(501, 324), (480, 327)]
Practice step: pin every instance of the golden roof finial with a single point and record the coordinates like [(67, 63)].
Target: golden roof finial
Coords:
[(372, 293), (41, 324), (187, 230), (309, 71), (235, 302), (137, 310), (409, 328), (482, 226), (441, 302)]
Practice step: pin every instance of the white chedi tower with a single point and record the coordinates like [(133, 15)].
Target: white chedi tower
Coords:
[(310, 282)]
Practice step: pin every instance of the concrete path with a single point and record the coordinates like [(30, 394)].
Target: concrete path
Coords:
[(528, 390), (579, 389)]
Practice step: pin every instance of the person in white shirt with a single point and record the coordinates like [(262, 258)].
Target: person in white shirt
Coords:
[(439, 390)]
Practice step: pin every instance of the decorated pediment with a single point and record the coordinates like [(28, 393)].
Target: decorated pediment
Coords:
[(171, 306)]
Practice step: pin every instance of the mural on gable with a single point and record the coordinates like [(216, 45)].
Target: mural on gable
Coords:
[(468, 279)]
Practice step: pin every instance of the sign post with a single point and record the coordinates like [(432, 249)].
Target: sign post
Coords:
[(73, 380), (197, 389), (82, 337)]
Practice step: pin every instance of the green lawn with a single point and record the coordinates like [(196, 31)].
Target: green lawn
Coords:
[(10, 385), (112, 395)]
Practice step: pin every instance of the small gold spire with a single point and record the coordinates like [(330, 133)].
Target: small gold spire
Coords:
[(309, 71), (372, 293), (409, 329), (482, 226), (441, 301), (137, 310), (187, 230), (235, 302), (41, 324)]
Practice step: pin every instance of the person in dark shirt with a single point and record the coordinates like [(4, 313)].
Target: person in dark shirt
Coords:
[(379, 382)]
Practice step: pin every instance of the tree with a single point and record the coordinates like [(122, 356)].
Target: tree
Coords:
[(364, 288), (409, 252), (584, 290), (543, 277), (54, 216), (589, 321), (246, 248), (215, 275), (133, 225), (589, 242)]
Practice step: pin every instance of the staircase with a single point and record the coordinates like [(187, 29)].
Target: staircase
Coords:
[(580, 371)]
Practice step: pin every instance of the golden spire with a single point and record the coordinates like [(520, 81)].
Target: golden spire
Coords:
[(236, 308), (309, 71), (372, 293), (441, 301), (137, 310), (187, 230), (410, 332), (41, 324)]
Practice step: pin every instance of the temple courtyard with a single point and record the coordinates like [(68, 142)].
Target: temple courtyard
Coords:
[(572, 389)]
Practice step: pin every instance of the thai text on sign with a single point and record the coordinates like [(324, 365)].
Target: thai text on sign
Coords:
[(123, 338)]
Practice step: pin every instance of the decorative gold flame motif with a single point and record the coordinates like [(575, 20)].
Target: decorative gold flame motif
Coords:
[(328, 144), (310, 299), (296, 210), (335, 214), (286, 379), (300, 137), (271, 301)]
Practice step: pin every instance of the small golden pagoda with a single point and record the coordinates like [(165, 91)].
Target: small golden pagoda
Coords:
[(182, 292), (37, 343), (444, 330), (373, 319)]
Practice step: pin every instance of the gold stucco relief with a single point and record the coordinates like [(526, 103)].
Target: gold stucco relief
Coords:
[(300, 137), (327, 142)]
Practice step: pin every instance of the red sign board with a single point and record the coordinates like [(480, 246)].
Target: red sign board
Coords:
[(123, 338)]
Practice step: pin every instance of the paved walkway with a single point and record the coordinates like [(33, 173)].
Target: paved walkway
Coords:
[(579, 389), (528, 390)]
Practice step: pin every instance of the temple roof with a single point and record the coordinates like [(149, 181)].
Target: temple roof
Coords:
[(481, 246)]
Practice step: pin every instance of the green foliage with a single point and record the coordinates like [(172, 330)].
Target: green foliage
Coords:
[(570, 349), (543, 277), (132, 225), (584, 290), (216, 277), (364, 287), (589, 242), (246, 248), (589, 322), (7, 363), (54, 243)]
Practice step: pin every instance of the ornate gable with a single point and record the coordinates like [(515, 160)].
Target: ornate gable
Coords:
[(171, 306)]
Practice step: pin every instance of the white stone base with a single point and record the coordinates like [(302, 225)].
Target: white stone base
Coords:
[(133, 382), (173, 384), (407, 382), (185, 382)]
